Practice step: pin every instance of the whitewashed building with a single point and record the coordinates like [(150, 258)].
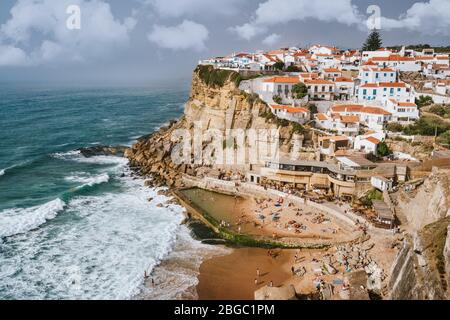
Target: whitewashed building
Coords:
[(295, 114), (382, 90), (402, 112)]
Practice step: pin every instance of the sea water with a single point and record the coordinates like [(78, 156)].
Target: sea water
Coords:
[(73, 227)]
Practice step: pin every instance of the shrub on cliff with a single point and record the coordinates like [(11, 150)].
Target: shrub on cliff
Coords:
[(277, 99), (217, 77)]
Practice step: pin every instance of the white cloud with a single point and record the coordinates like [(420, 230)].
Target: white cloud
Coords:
[(187, 35), (424, 17), (179, 8), (274, 12), (39, 28), (12, 56), (271, 39)]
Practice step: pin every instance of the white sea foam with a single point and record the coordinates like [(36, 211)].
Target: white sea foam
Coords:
[(88, 180), (100, 251), (16, 221), (2, 172), (75, 155)]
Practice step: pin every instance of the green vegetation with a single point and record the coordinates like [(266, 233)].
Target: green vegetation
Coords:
[(298, 128), (312, 108), (424, 101), (371, 195), (383, 149), (373, 42), (279, 65), (395, 127), (217, 77), (427, 126), (277, 99), (445, 138), (440, 110), (299, 90), (293, 68)]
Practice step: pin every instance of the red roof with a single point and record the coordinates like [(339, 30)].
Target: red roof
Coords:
[(373, 140), (318, 81), (283, 80)]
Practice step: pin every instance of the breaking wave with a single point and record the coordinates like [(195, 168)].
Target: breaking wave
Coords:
[(16, 221)]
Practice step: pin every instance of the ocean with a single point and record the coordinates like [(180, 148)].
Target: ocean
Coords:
[(83, 228)]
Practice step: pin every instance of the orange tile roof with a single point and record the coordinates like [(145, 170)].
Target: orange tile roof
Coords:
[(296, 110), (334, 138), (331, 70), (347, 108), (283, 80), (318, 81), (373, 140), (321, 116), (384, 84), (375, 110), (290, 109), (407, 104), (349, 119), (342, 79)]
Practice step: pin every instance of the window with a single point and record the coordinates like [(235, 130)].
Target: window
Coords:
[(376, 75), (364, 91), (331, 88), (392, 91), (385, 74), (374, 92)]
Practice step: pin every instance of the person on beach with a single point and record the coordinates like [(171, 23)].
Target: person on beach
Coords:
[(258, 273), (271, 284), (256, 281), (293, 270)]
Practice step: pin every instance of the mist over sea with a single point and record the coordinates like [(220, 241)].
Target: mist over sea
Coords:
[(82, 228)]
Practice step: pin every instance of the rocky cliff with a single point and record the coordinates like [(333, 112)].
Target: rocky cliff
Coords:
[(422, 267), (429, 203), (215, 104)]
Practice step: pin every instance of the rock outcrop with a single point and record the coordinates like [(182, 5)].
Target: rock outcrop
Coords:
[(429, 203), (215, 104)]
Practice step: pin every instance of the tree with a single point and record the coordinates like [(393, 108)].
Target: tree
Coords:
[(373, 42), (424, 101), (277, 99), (293, 68), (383, 149), (279, 65), (299, 90)]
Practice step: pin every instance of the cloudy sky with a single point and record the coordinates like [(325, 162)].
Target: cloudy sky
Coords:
[(138, 42)]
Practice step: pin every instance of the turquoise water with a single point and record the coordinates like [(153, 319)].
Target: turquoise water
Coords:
[(73, 227)]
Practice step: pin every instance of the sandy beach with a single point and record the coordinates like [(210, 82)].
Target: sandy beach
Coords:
[(232, 277)]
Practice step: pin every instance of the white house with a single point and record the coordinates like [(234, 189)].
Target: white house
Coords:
[(369, 143), (369, 74), (381, 90), (320, 89), (398, 63), (319, 49), (295, 114), (381, 183), (373, 117), (345, 88), (343, 125), (330, 73), (403, 112), (381, 53), (281, 86)]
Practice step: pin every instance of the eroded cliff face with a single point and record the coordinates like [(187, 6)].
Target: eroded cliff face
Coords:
[(211, 106), (429, 203), (422, 267)]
